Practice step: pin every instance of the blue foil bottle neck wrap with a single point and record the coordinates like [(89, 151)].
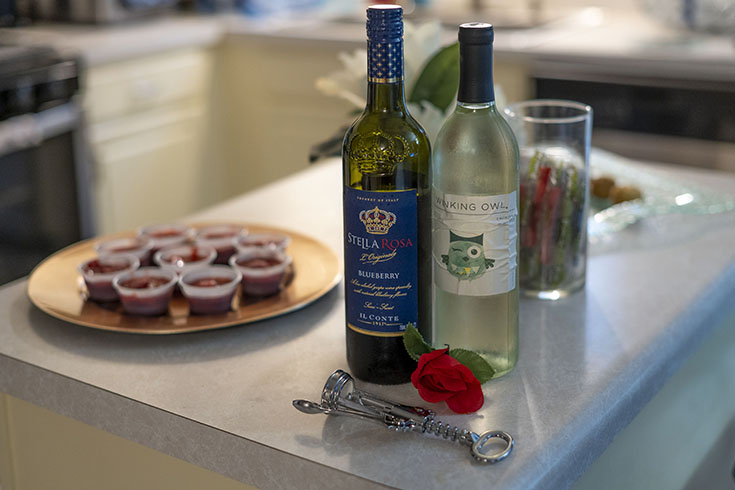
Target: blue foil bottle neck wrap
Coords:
[(385, 43)]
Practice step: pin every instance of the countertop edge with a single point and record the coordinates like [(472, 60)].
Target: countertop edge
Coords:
[(99, 45), (181, 437)]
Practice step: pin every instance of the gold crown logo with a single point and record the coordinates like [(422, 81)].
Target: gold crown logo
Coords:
[(376, 151), (377, 221)]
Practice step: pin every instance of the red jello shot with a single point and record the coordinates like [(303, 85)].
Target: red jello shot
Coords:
[(98, 274), (167, 235), (139, 246), (146, 291), (185, 258), (277, 241), (222, 238), (263, 270), (209, 290)]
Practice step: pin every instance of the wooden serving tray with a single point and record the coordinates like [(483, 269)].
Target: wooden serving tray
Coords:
[(56, 287)]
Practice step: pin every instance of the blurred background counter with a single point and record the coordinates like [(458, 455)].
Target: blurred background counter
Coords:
[(184, 110)]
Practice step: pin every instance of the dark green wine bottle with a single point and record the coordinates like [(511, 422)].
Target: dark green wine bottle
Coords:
[(387, 215)]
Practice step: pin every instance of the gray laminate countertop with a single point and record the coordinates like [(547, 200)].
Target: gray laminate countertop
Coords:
[(222, 399)]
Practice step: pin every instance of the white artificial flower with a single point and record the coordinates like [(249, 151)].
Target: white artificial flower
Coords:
[(420, 43), (355, 62), (429, 116), (500, 100), (350, 82)]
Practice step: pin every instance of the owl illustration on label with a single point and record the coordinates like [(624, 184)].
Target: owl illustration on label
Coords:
[(466, 257)]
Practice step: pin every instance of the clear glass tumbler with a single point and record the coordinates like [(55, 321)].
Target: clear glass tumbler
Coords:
[(554, 140)]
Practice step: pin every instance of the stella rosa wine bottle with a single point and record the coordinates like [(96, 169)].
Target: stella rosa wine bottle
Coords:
[(386, 160), (475, 179)]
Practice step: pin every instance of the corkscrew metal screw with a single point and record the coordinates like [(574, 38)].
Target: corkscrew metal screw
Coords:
[(340, 397)]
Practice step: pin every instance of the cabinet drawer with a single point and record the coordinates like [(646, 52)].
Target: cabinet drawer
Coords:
[(101, 133), (131, 86)]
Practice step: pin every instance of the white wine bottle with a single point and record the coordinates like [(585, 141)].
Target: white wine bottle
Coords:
[(475, 179), (387, 215)]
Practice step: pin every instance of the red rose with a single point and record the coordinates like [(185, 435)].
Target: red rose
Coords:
[(440, 377)]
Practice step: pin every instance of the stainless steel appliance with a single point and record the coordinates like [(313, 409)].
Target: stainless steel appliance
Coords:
[(99, 11), (8, 13), (45, 181), (688, 122)]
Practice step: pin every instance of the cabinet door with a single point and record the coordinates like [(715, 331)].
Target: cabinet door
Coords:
[(51, 451), (271, 111), (150, 177)]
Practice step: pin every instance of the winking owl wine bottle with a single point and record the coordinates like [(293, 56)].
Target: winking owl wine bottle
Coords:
[(475, 179)]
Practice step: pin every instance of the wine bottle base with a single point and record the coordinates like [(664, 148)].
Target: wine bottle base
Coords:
[(380, 378), (379, 360)]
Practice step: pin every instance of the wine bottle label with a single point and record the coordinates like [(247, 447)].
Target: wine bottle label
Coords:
[(380, 260), (474, 243)]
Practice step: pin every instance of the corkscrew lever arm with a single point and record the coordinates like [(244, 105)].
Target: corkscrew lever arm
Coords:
[(339, 397)]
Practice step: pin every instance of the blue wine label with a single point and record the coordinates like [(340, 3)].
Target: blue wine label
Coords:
[(380, 260)]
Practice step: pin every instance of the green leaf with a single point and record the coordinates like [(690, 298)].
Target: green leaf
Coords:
[(415, 343), (475, 363), (439, 80)]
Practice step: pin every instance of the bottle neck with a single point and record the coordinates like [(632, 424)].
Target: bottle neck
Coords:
[(385, 76), (475, 74), (476, 106), (386, 97)]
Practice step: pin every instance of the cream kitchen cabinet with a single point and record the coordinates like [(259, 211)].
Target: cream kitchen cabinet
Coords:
[(147, 126), (271, 113), (40, 449), (173, 132)]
